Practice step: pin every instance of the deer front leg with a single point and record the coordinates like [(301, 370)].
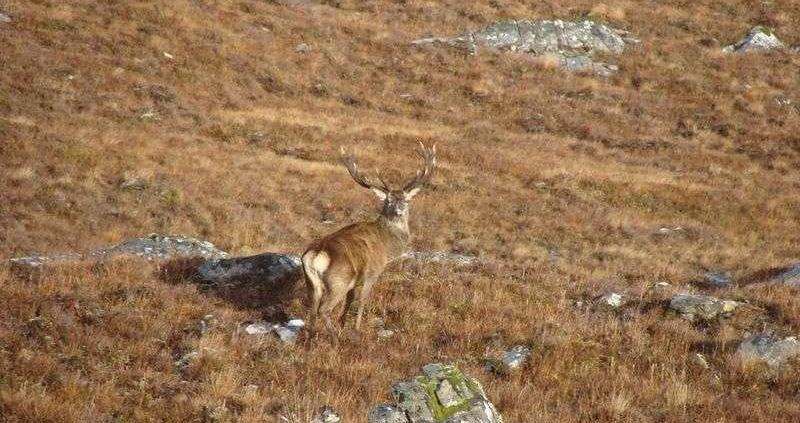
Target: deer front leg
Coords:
[(363, 299)]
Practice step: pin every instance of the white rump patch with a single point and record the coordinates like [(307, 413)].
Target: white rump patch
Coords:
[(321, 262)]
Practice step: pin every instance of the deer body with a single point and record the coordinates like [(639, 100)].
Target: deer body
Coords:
[(356, 255)]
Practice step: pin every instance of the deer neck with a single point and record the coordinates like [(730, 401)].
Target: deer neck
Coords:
[(396, 228)]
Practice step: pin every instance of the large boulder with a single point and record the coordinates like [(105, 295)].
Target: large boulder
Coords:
[(442, 394), (701, 307), (768, 349), (267, 267), (758, 39), (573, 42)]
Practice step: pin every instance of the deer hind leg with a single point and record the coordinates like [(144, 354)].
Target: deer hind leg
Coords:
[(347, 303), (314, 265), (337, 291)]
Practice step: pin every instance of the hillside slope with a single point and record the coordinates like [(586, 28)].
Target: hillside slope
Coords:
[(227, 117)]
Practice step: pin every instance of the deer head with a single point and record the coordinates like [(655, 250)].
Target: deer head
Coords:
[(395, 201)]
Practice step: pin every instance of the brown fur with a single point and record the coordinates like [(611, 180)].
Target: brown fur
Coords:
[(356, 255)]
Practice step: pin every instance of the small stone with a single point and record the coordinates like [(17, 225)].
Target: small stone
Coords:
[(446, 395), (700, 360), (286, 334), (168, 56), (442, 257), (258, 328), (4, 18), (718, 279), (769, 349), (612, 299), (386, 413), (186, 359), (327, 415), (661, 284), (385, 333), (150, 115), (516, 357), (302, 48), (133, 183)]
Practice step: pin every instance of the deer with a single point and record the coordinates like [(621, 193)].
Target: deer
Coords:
[(357, 255)]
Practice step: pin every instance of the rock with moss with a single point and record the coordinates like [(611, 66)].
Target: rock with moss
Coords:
[(759, 38), (442, 394)]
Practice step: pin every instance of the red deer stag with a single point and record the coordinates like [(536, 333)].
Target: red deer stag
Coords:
[(356, 255)]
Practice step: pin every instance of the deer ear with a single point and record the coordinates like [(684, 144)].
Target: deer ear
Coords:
[(379, 193), (410, 193)]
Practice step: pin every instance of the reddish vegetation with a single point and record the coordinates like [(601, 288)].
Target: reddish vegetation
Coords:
[(557, 181)]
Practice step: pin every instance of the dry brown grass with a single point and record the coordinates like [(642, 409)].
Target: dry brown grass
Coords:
[(237, 136)]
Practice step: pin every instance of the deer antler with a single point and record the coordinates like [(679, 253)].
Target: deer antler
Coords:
[(423, 176), (350, 163)]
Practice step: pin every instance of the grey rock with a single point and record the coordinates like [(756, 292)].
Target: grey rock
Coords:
[(302, 48), (758, 39), (769, 349), (4, 18), (612, 299), (385, 333), (150, 247), (572, 41), (267, 267), (327, 415), (480, 411), (186, 359), (516, 357), (259, 328), (386, 413), (701, 307), (442, 257), (443, 394), (287, 332), (135, 183), (413, 400), (586, 64), (700, 360), (718, 279), (790, 276)]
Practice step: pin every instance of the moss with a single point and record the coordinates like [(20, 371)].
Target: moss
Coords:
[(462, 385), (764, 30)]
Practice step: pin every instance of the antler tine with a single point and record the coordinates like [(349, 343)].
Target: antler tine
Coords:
[(423, 176), (349, 162)]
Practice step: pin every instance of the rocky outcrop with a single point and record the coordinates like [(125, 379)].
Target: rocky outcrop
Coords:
[(442, 394), (150, 247), (758, 39), (700, 307), (769, 349), (573, 43)]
